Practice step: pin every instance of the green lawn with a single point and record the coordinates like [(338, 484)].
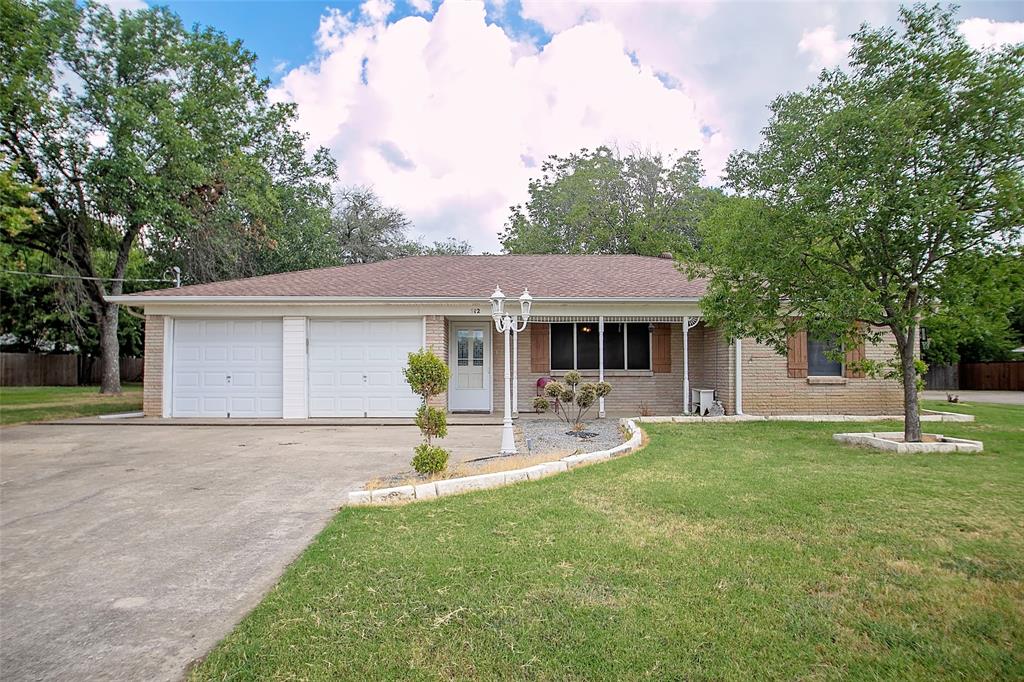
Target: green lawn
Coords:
[(732, 551), (20, 404)]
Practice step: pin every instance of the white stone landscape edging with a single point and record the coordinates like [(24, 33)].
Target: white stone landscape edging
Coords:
[(891, 441), (453, 486), (926, 416)]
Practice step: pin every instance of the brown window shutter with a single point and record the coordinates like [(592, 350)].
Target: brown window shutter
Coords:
[(540, 348), (854, 355), (661, 349), (796, 358)]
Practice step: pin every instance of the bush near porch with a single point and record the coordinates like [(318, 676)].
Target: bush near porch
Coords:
[(721, 551)]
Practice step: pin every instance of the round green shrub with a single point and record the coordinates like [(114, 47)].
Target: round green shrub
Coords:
[(427, 374), (541, 404), (433, 422), (429, 459)]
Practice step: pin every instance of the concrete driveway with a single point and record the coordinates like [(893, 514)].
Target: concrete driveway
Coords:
[(126, 552)]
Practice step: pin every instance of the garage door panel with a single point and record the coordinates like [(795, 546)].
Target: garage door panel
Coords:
[(321, 379), (187, 379), (223, 367), (385, 379), (268, 354), (270, 379), (216, 328), (351, 353), (213, 379), (245, 353), (187, 354), (349, 378), (213, 405), (212, 353), (363, 360)]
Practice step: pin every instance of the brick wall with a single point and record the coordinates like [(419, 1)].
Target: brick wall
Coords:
[(437, 341), (768, 390), (712, 363), (153, 373)]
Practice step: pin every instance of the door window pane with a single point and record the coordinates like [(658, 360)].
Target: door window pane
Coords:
[(614, 350), (478, 348), (587, 345), (462, 346), (561, 346), (818, 364), (639, 346)]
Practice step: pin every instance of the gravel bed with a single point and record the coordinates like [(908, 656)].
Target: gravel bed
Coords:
[(549, 435)]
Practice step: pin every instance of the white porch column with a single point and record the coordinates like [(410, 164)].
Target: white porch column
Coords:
[(293, 369), (515, 373), (600, 362), (739, 377), (686, 365)]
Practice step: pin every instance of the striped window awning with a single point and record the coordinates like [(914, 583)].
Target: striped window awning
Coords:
[(611, 318)]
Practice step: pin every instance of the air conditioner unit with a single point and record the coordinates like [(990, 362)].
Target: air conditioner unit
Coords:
[(701, 399)]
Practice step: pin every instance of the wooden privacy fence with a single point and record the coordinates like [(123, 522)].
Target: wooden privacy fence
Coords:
[(992, 376), (33, 369), (942, 378)]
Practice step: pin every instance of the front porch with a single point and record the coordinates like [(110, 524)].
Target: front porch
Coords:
[(652, 362)]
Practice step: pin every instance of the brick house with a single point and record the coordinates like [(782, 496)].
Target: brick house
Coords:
[(333, 342)]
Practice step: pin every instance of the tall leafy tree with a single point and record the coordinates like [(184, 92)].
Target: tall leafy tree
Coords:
[(870, 189), (138, 130), (364, 230), (601, 202), (980, 318)]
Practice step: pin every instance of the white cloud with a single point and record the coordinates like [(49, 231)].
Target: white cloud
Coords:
[(984, 33), (448, 118), (825, 49), (422, 6), (448, 115)]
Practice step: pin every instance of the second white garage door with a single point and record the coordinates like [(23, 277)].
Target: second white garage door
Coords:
[(355, 367)]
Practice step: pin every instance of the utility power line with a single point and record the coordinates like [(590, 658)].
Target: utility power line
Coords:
[(51, 275)]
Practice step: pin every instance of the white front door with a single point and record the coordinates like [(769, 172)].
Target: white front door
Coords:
[(355, 367), (470, 387), (226, 368)]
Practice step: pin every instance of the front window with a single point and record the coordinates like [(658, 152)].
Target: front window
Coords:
[(818, 362), (577, 346)]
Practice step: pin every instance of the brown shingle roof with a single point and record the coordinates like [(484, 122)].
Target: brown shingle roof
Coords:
[(547, 276)]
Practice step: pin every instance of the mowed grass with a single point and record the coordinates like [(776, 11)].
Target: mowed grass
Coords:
[(746, 551), (20, 404)]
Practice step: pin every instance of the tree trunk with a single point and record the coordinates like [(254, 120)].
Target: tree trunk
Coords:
[(911, 409), (110, 377)]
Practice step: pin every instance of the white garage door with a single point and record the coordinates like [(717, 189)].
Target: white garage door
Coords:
[(226, 368), (355, 367)]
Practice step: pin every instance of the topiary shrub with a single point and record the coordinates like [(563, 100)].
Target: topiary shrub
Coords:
[(428, 376), (575, 398), (429, 459), (433, 422)]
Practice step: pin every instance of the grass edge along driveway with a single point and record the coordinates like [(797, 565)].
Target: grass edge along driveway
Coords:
[(721, 551), (25, 404)]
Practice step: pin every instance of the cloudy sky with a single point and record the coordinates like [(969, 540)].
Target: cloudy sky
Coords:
[(447, 108)]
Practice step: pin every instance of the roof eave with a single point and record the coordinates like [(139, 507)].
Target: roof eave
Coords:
[(135, 300)]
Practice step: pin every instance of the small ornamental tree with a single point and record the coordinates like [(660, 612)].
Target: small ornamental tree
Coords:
[(428, 376), (575, 398)]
